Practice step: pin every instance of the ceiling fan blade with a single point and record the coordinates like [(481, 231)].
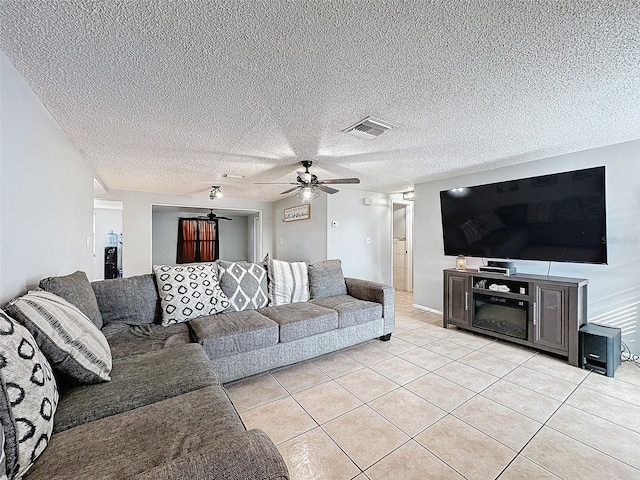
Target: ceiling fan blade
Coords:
[(340, 180), (288, 191), (327, 189), (274, 183), (223, 218)]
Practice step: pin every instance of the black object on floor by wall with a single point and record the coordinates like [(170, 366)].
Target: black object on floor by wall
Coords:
[(600, 348)]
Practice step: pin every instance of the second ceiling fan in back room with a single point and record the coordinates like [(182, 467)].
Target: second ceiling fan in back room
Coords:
[(308, 185)]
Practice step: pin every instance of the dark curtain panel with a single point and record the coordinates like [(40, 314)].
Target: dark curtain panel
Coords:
[(197, 240)]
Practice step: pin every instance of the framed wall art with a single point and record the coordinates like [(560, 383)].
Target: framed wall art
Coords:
[(301, 212)]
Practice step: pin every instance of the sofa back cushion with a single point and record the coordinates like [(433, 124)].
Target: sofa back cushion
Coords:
[(326, 279), (132, 300), (244, 284), (288, 282), (75, 289), (70, 341), (189, 291), (28, 398)]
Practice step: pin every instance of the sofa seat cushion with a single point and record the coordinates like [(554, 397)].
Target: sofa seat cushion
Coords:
[(300, 320), (136, 381), (236, 332), (133, 442), (242, 455), (132, 300), (351, 311), (126, 340)]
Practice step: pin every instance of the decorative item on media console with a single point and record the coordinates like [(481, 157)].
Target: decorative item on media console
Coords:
[(461, 262)]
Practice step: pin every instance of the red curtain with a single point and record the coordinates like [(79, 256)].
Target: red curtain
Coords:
[(207, 240), (197, 240)]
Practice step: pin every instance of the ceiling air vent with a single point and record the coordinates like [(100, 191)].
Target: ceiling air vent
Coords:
[(369, 128)]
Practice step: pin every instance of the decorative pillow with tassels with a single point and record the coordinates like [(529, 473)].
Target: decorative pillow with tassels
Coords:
[(70, 340)]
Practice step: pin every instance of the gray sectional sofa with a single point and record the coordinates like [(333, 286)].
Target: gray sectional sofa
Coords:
[(164, 413)]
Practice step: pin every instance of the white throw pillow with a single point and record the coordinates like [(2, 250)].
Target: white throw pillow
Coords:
[(189, 291), (70, 340), (288, 282), (28, 398)]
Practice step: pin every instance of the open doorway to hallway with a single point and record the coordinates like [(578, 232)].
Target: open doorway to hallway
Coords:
[(107, 239), (402, 245)]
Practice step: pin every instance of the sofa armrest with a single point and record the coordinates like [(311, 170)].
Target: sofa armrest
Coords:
[(375, 292), (243, 455)]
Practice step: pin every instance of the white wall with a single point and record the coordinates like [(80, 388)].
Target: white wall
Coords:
[(315, 239), (301, 240), (357, 222), (46, 192), (614, 289), (136, 222), (233, 236)]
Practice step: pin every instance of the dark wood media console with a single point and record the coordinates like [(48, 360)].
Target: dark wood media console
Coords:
[(541, 312)]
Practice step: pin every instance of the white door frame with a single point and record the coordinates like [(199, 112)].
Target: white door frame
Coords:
[(408, 208)]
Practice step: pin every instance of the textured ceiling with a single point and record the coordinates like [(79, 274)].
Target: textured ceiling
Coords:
[(166, 96)]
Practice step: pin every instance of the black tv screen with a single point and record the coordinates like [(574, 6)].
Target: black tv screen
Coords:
[(559, 217)]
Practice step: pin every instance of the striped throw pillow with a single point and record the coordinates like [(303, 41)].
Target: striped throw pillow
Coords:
[(288, 282), (70, 341)]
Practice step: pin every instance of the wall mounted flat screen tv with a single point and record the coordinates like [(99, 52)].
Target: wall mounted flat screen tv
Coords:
[(559, 217)]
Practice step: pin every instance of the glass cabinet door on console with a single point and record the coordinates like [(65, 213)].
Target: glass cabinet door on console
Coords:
[(549, 316), (456, 304)]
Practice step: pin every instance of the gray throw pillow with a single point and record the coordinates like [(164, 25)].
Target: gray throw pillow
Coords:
[(244, 283), (131, 300), (75, 289), (71, 342), (326, 279), (28, 398)]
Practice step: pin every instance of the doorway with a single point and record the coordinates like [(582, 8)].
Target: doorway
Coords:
[(107, 239), (237, 236), (402, 245)]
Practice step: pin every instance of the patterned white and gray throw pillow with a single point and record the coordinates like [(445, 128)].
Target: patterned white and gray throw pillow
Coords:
[(244, 283), (28, 398), (70, 341), (288, 282), (189, 291)]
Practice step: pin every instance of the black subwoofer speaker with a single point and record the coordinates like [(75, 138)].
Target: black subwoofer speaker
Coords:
[(600, 348)]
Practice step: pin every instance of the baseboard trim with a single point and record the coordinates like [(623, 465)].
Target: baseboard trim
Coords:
[(426, 309)]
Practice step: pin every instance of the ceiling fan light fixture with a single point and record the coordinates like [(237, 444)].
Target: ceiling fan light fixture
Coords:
[(215, 192), (307, 194)]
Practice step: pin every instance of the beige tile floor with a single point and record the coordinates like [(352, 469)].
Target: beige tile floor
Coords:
[(436, 403)]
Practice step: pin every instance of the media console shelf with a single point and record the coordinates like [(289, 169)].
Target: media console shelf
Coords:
[(541, 312)]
